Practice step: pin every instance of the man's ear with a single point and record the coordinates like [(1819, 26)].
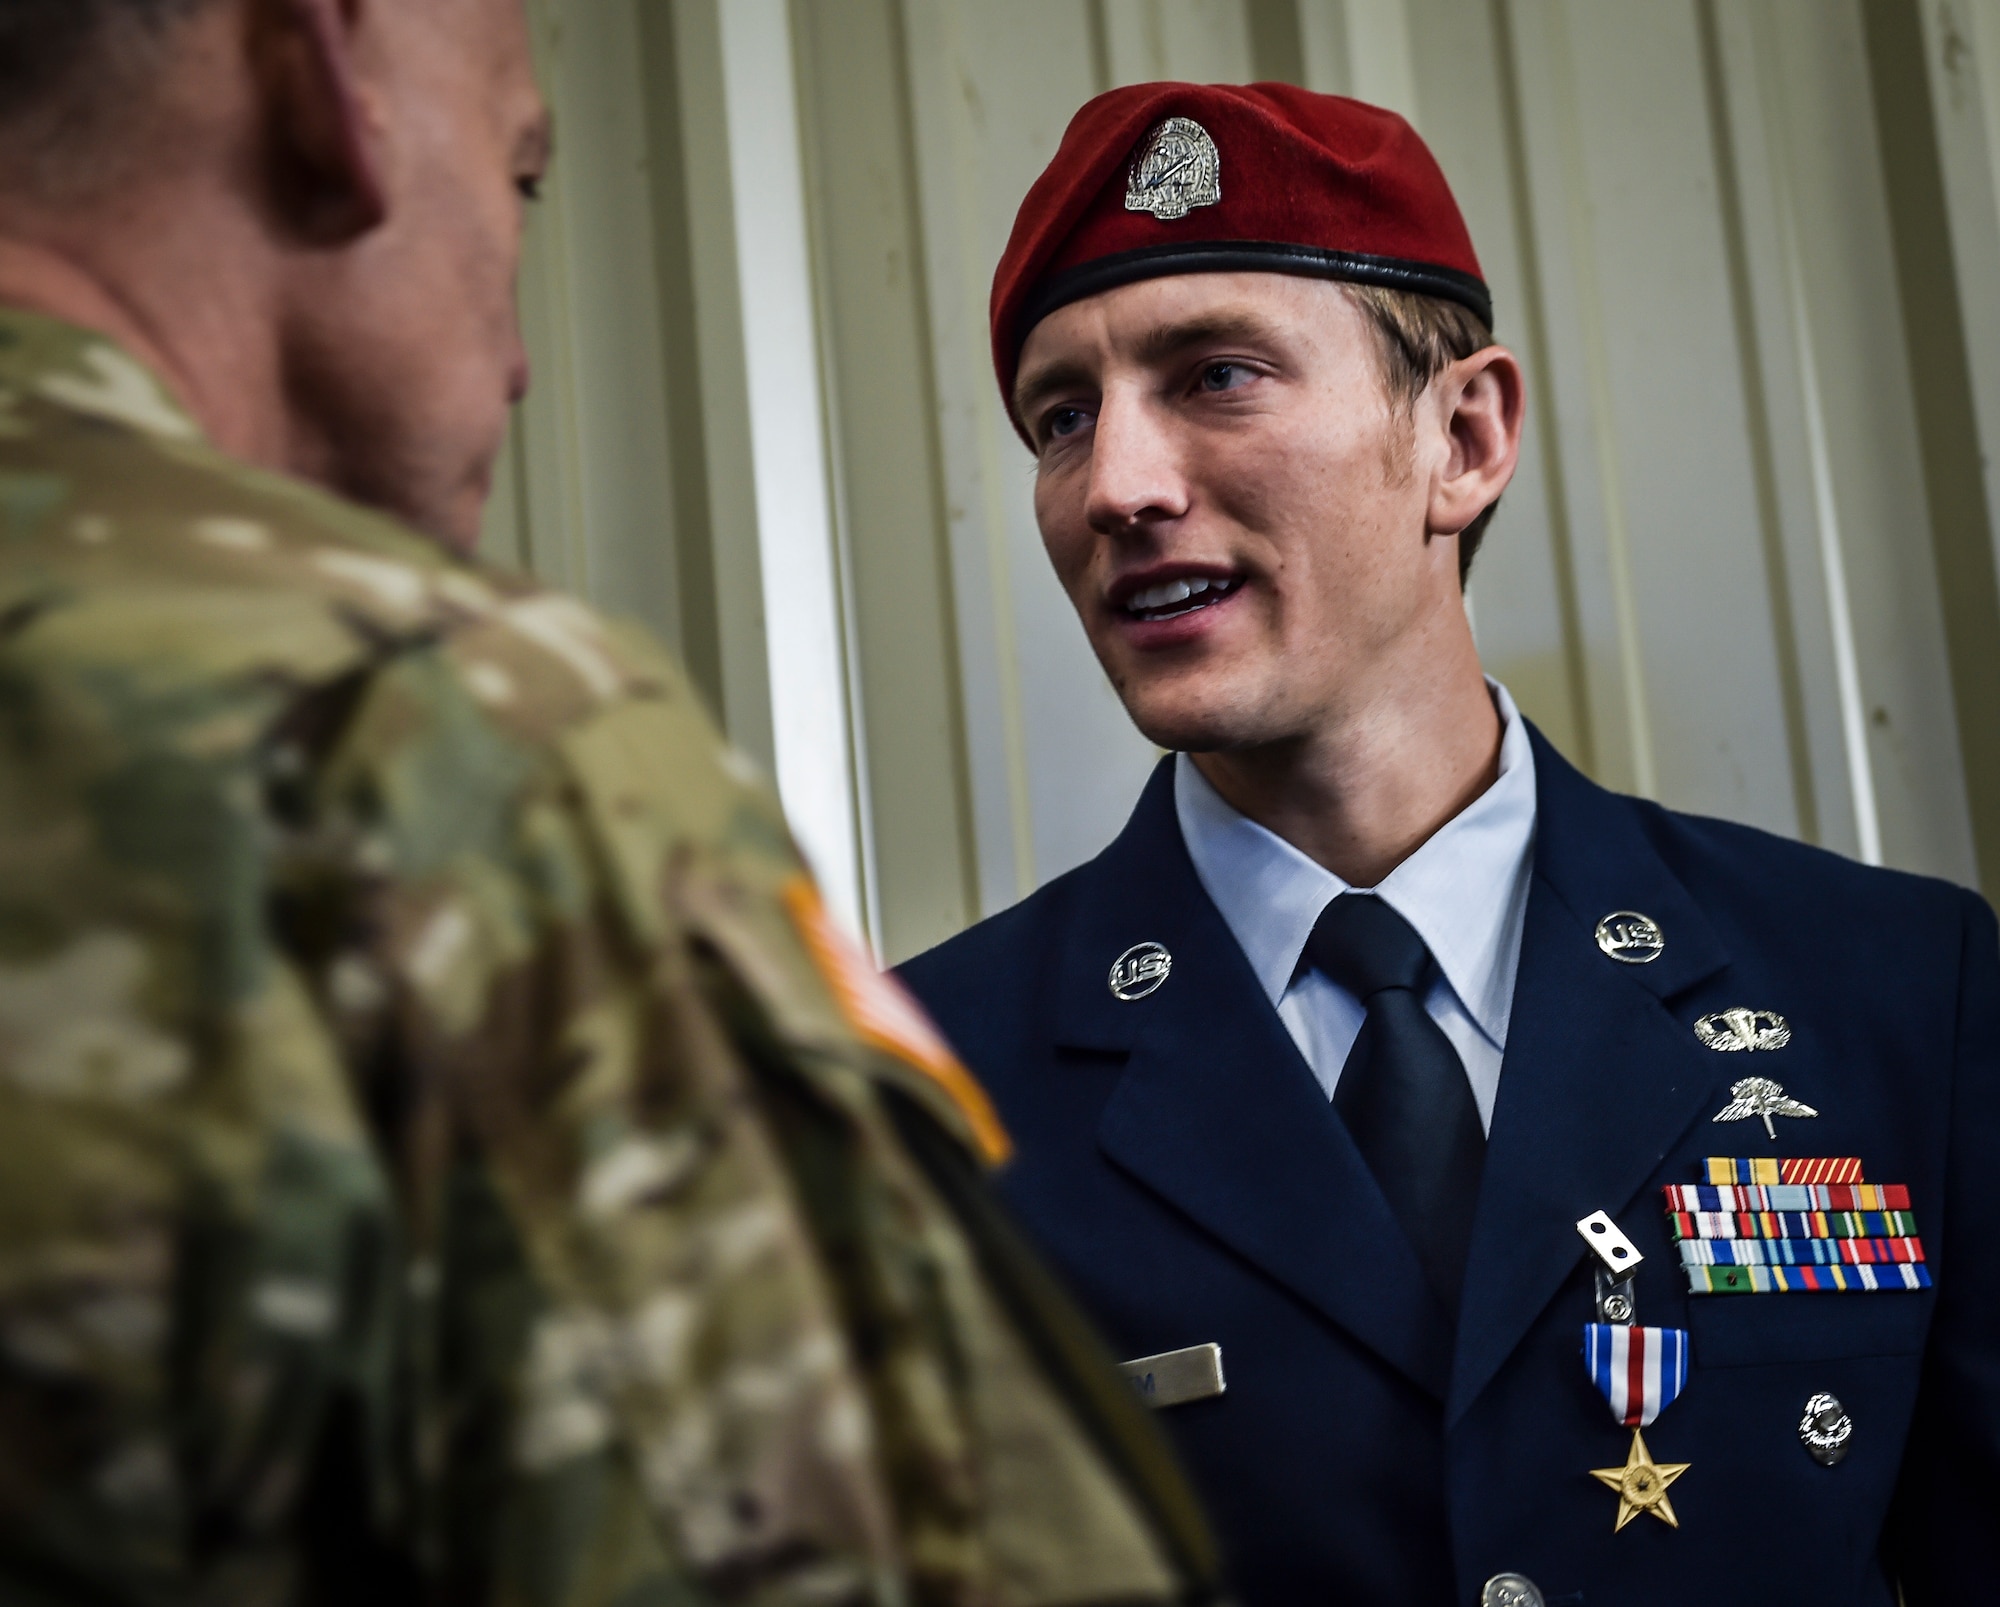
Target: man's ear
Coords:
[(322, 116), (1481, 402)]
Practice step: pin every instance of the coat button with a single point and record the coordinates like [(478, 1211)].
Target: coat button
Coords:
[(1510, 1590)]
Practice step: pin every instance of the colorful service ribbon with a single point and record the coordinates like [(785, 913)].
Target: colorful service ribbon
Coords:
[(1765, 1169), (1801, 1225), (1806, 1280)]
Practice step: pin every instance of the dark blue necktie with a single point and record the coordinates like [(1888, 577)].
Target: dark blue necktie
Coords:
[(1403, 1092)]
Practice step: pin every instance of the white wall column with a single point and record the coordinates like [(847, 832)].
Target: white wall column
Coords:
[(779, 581)]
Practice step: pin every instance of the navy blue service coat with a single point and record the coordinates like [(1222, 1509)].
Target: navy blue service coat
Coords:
[(1180, 1163)]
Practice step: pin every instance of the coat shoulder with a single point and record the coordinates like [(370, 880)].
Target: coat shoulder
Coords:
[(983, 974), (1745, 871)]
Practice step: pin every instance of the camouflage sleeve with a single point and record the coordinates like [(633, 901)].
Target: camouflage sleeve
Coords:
[(196, 1240), (754, 1353), (631, 1367), (445, 1149), (442, 1139)]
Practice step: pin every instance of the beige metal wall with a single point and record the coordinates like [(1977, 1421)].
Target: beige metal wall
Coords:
[(1748, 250)]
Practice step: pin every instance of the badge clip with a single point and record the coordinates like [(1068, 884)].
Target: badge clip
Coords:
[(1615, 1253), (1615, 1301)]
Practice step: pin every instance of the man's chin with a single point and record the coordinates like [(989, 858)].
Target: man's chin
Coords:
[(1206, 725), (455, 518)]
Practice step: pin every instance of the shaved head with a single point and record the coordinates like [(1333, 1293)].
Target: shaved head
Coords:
[(305, 214), (73, 75)]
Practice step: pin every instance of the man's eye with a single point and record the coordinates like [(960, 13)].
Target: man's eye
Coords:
[(1224, 376), (1066, 421), (530, 186)]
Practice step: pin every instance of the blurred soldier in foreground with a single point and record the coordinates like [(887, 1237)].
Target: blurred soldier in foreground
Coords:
[(445, 1150)]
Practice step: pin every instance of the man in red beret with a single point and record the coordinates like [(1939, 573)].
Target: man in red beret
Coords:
[(1407, 1105)]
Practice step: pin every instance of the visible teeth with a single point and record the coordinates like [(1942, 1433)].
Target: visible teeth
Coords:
[(1168, 593)]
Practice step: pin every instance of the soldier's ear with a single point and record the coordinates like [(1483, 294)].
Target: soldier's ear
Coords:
[(323, 114), (1481, 403)]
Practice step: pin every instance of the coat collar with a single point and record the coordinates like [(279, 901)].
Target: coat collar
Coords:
[(1219, 1114), (1464, 889), (1599, 1082)]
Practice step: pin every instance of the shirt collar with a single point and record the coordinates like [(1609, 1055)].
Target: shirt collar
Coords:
[(1464, 890)]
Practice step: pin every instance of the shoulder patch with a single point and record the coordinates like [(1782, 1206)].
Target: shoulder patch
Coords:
[(884, 1016)]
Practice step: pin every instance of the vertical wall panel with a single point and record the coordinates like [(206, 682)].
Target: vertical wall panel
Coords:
[(1207, 40), (1931, 304), (1054, 763), (1963, 41), (862, 170), (1523, 587), (1814, 70), (592, 489)]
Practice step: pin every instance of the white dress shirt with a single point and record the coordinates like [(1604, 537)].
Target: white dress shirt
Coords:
[(1465, 891)]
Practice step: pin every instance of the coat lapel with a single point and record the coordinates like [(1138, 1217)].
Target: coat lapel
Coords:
[(1218, 1113), (1600, 1080)]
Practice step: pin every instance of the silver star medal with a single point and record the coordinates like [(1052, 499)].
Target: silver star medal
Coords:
[(1176, 170), (1759, 1096)]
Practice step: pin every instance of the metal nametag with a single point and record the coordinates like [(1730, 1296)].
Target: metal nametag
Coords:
[(1617, 1254), (1176, 1376)]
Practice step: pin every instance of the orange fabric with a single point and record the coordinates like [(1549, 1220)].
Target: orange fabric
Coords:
[(884, 1016)]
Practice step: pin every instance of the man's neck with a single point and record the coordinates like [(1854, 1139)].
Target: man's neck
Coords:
[(226, 382), (1370, 786)]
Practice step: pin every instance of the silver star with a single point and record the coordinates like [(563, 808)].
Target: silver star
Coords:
[(1759, 1096)]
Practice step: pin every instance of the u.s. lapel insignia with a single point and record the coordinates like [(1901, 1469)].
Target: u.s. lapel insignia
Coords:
[(1139, 971), (1737, 1030), (1176, 170), (1642, 1484), (1632, 938), (1759, 1096)]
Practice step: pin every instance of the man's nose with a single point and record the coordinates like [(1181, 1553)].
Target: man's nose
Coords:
[(1136, 466)]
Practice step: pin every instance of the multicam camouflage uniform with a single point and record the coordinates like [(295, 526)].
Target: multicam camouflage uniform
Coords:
[(445, 1152)]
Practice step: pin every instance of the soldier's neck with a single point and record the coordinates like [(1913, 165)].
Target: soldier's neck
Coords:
[(40, 278), (1396, 755)]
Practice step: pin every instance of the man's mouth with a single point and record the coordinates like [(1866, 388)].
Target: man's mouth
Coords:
[(1169, 599)]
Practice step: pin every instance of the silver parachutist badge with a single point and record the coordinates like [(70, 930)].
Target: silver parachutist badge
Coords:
[(1176, 170), (1731, 1030), (1759, 1096)]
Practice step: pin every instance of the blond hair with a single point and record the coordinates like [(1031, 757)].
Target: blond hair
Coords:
[(1419, 338)]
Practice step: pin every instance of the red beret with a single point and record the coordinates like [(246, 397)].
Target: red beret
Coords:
[(1158, 179)]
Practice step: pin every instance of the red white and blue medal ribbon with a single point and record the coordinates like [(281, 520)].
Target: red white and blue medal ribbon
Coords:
[(1639, 1371)]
